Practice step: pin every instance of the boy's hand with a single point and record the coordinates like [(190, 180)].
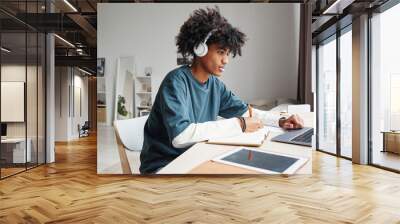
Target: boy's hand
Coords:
[(252, 124), (292, 122)]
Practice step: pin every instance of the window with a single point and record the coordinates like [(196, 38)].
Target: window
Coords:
[(346, 93), (22, 66), (334, 106), (385, 84), (327, 96)]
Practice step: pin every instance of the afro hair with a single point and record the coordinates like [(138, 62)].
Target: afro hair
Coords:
[(200, 23)]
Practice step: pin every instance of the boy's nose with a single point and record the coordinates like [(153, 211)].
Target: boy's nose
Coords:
[(225, 60)]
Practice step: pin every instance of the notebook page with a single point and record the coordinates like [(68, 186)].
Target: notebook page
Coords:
[(253, 138)]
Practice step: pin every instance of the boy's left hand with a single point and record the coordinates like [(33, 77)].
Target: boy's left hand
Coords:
[(292, 122)]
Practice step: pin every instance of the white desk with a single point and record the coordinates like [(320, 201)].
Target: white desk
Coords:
[(18, 149), (196, 159)]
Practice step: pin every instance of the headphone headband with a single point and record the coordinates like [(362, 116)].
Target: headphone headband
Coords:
[(209, 35)]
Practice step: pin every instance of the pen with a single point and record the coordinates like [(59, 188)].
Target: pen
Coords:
[(250, 111)]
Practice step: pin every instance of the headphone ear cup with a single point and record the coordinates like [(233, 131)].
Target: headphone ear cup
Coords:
[(205, 50), (201, 50)]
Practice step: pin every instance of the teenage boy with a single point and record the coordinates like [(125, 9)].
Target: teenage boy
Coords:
[(191, 97)]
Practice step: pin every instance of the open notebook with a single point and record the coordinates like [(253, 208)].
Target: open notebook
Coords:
[(244, 139)]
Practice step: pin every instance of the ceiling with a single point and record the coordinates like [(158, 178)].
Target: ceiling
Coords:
[(328, 16), (76, 22)]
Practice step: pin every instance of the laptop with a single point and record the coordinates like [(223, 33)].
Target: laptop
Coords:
[(299, 137)]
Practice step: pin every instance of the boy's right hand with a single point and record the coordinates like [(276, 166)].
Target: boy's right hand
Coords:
[(253, 124)]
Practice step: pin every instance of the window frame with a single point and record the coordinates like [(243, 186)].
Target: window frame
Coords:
[(378, 10), (333, 37)]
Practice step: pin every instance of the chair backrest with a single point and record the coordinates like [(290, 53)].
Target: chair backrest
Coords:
[(130, 132), (86, 125)]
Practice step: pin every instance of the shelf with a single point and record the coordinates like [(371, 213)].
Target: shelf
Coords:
[(143, 94), (143, 77), (144, 107)]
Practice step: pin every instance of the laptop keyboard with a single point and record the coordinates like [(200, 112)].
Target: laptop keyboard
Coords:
[(306, 137)]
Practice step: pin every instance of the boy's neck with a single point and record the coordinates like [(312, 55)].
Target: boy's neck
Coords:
[(199, 73)]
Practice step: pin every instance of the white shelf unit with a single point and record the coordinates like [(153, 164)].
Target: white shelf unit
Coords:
[(143, 95)]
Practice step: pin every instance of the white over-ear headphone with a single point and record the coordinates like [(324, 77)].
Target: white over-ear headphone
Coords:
[(201, 49)]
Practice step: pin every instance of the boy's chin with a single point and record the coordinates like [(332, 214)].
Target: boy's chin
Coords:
[(217, 74)]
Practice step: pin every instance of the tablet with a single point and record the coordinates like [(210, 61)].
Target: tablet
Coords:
[(261, 161)]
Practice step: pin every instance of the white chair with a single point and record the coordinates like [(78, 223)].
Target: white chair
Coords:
[(129, 134)]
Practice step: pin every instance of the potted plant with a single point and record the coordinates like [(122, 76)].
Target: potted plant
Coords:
[(122, 112)]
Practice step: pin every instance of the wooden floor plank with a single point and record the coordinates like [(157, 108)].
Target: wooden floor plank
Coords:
[(70, 191)]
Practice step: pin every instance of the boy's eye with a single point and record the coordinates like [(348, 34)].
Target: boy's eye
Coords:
[(223, 52)]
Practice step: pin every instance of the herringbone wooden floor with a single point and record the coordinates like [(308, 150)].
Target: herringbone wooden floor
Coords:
[(70, 191)]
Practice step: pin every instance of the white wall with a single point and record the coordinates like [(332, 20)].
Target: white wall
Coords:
[(84, 81), (61, 103), (267, 68), (66, 121), (16, 72), (80, 118), (33, 125)]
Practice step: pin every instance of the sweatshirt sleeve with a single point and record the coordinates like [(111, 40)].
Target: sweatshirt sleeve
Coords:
[(203, 131)]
